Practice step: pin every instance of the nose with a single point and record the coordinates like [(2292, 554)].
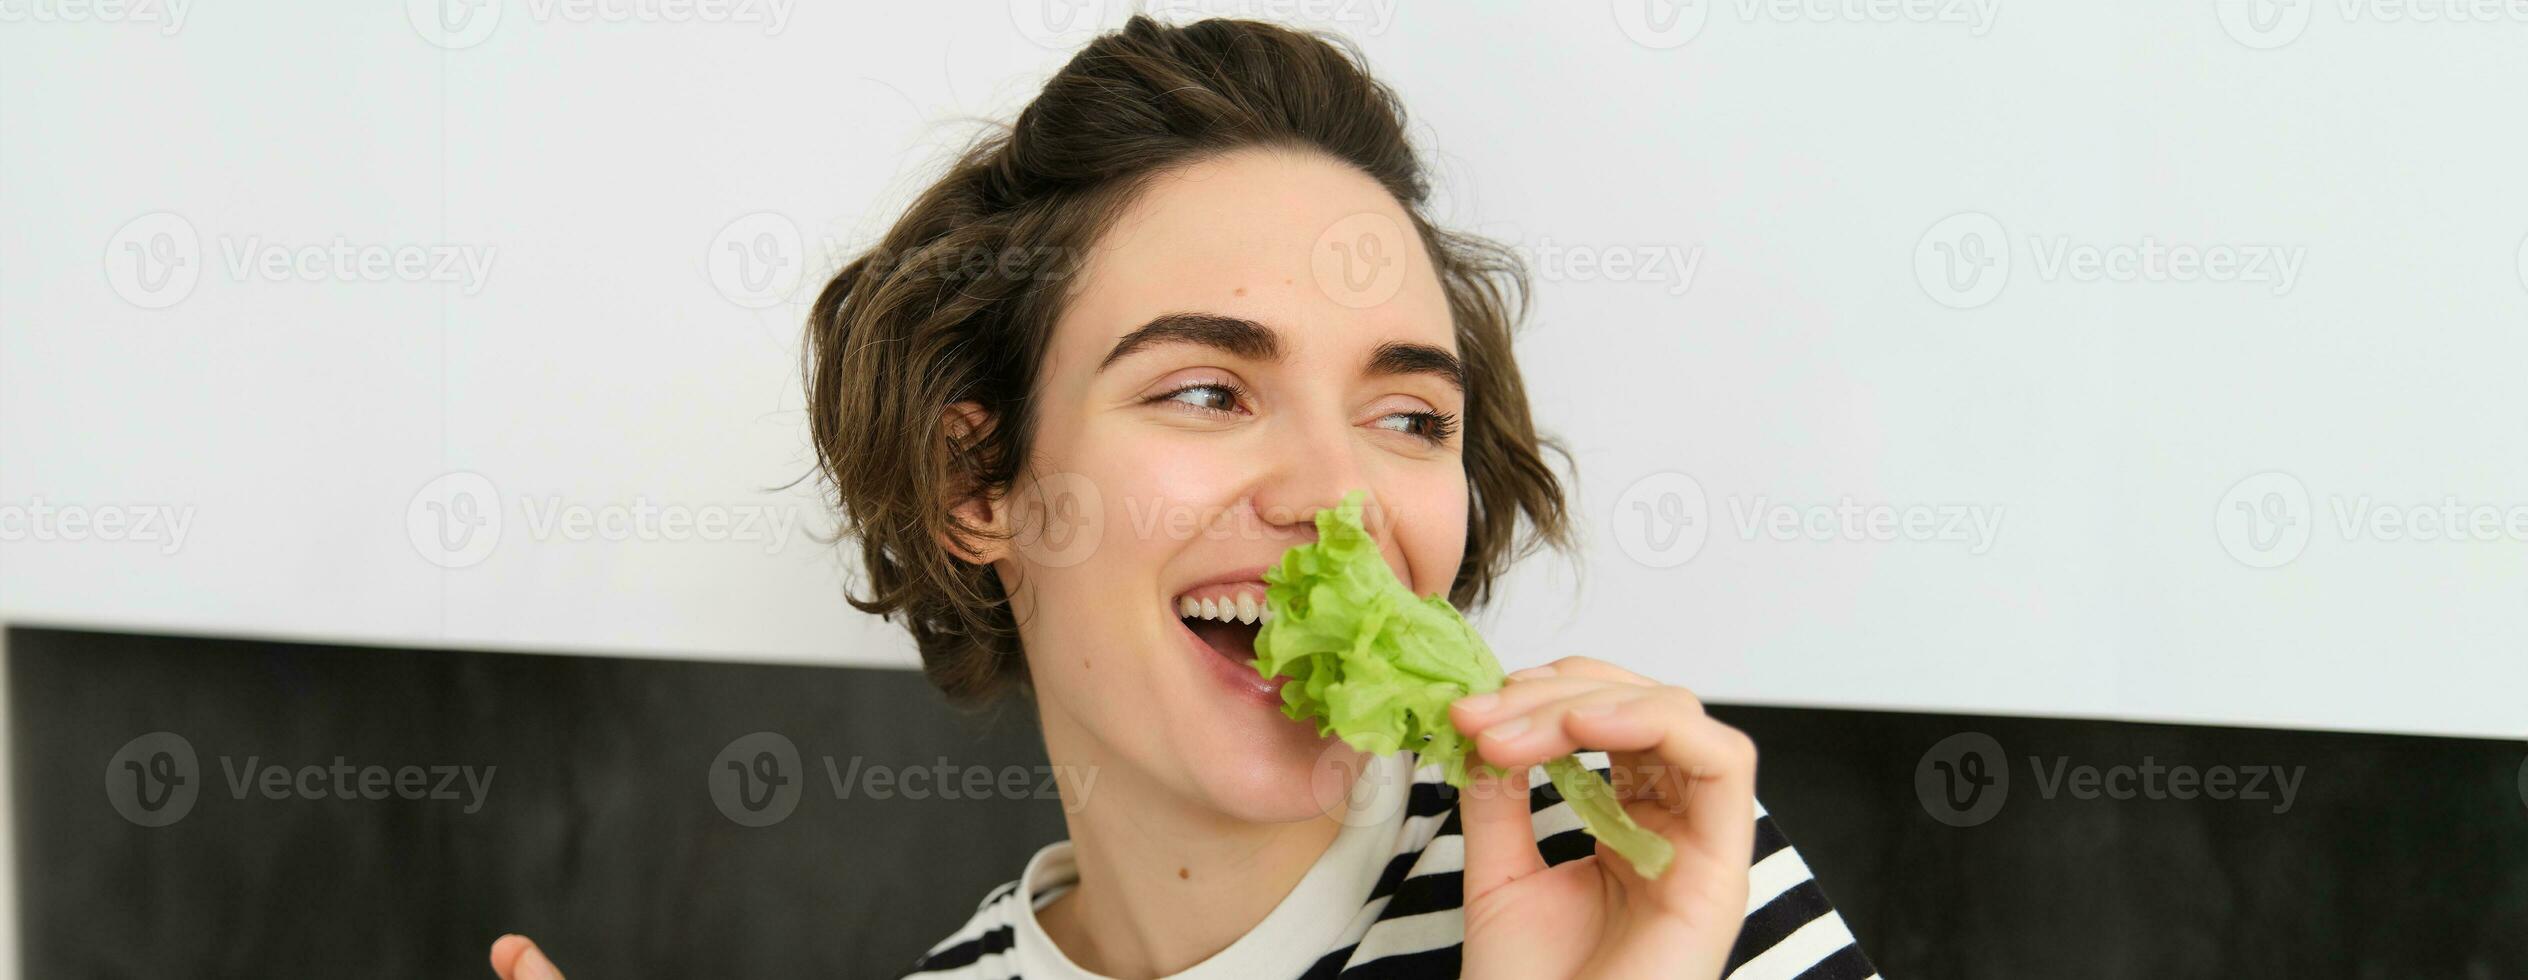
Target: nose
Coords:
[(1310, 468)]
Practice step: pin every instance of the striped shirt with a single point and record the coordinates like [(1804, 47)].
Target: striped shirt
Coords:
[(1385, 900)]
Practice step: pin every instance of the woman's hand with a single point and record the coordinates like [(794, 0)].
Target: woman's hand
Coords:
[(1682, 775), (515, 957)]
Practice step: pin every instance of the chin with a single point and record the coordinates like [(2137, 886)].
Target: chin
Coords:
[(1284, 775)]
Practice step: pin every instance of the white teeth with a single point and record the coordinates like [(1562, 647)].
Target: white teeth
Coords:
[(1239, 609)]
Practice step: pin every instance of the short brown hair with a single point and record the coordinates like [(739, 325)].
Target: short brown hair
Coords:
[(958, 301)]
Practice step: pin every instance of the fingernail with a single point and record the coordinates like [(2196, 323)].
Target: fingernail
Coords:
[(1479, 703), (1533, 673), (1512, 728), (1597, 709)]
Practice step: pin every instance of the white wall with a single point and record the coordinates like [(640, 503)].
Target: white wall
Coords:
[(1829, 343)]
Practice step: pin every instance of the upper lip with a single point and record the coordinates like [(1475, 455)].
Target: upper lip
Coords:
[(1250, 574)]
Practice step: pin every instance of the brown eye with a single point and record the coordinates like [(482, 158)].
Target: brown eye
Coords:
[(1208, 396), (1432, 427)]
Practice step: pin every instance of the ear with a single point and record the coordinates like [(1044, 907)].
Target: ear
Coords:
[(965, 424)]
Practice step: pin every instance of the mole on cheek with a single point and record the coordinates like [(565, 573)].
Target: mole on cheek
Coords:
[(1182, 873)]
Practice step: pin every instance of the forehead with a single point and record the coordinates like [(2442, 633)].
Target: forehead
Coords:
[(1304, 244)]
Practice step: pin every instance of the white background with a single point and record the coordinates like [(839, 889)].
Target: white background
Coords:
[(1808, 159)]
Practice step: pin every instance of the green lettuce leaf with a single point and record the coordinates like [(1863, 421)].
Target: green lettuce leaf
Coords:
[(1378, 666)]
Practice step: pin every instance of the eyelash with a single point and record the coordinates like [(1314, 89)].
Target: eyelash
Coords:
[(1431, 427)]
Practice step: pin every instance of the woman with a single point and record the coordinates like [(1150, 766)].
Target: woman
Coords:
[(1090, 386)]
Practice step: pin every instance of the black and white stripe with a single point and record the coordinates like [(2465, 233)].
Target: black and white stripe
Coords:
[(1413, 924)]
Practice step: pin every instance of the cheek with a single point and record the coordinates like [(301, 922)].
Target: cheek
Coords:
[(1114, 508), (1433, 532)]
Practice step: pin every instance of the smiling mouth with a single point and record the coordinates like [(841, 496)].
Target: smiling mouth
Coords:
[(1226, 620)]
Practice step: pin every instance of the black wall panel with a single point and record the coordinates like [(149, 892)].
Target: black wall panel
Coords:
[(600, 835)]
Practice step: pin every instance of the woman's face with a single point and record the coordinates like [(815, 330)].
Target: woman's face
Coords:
[(1257, 335)]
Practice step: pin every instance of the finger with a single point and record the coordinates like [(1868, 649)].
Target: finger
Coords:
[(1700, 758), (1588, 667), (1633, 774), (505, 952), (1477, 712), (1499, 834), (1713, 765), (1541, 733), (516, 957)]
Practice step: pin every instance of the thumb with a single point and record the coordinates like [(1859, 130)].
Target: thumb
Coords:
[(516, 957), (1500, 835)]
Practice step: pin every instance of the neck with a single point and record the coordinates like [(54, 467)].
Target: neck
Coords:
[(1164, 882)]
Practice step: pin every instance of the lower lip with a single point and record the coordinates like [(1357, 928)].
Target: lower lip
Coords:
[(1240, 679)]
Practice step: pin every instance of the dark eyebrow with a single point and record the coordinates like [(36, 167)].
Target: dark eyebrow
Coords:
[(1242, 337), (1256, 342), (1398, 357)]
